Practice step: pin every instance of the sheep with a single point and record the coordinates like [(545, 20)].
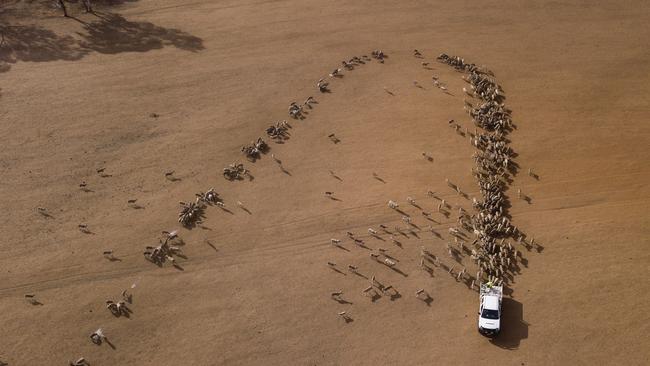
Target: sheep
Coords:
[(31, 298), (127, 297), (372, 231), (336, 73), (322, 86), (423, 295), (454, 231), (108, 254), (335, 241), (309, 101), (170, 235), (389, 262), (460, 274), (392, 204), (79, 362), (97, 336), (345, 316)]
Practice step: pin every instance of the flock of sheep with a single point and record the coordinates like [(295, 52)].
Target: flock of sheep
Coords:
[(490, 225), (495, 257)]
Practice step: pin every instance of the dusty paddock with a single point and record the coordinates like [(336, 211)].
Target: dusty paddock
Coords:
[(255, 288)]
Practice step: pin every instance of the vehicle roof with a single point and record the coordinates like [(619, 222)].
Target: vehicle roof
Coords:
[(491, 302)]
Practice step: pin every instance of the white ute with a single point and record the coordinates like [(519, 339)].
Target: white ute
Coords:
[(489, 314)]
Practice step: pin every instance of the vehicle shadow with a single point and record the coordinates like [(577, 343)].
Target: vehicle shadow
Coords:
[(513, 326)]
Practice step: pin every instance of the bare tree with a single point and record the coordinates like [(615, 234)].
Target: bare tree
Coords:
[(62, 6), (87, 6)]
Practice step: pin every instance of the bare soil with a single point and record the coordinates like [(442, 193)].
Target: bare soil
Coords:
[(144, 87)]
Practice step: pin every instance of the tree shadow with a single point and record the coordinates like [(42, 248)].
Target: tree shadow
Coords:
[(33, 43), (514, 327), (110, 34), (115, 34)]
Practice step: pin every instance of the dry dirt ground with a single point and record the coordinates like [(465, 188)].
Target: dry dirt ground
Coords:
[(77, 95)]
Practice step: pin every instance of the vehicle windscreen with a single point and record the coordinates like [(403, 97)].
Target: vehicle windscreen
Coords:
[(490, 314)]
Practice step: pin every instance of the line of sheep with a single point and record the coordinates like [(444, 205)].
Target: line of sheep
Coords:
[(494, 164)]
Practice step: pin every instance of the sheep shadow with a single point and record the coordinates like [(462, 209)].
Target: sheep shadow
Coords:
[(211, 245), (46, 215), (360, 275), (110, 344), (361, 244), (375, 297), (427, 300), (226, 210), (285, 171), (397, 270), (348, 320), (343, 301)]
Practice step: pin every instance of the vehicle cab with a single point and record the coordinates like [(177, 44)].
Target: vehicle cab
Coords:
[(489, 315)]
